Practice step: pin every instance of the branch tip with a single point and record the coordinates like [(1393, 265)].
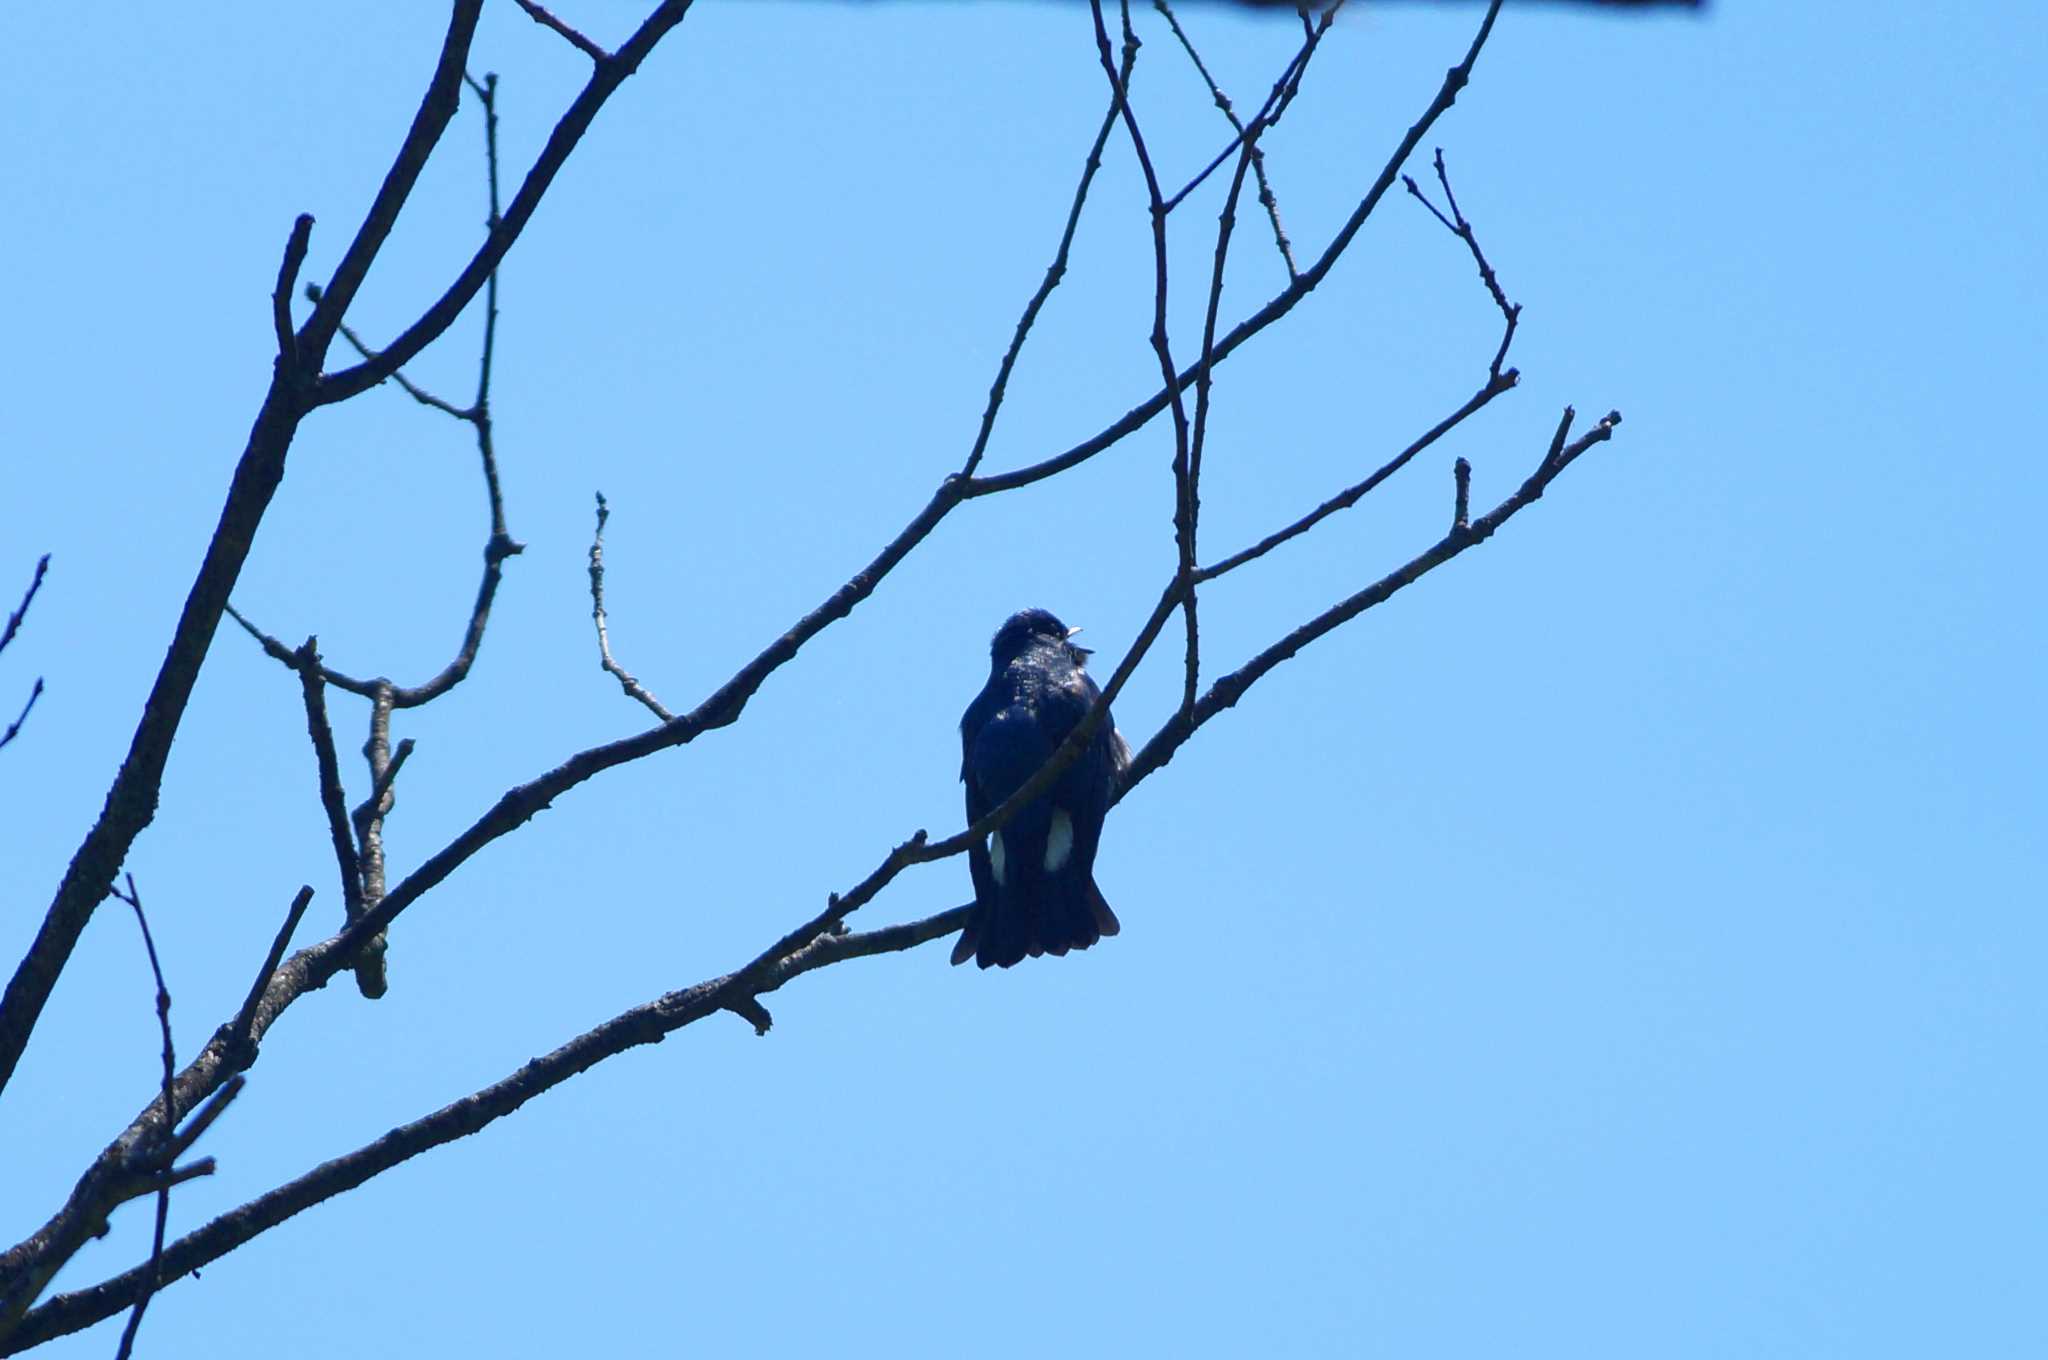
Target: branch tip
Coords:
[(751, 1010), (281, 300), (606, 662), (243, 1035), (540, 15)]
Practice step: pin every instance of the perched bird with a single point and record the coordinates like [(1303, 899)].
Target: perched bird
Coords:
[(1034, 881)]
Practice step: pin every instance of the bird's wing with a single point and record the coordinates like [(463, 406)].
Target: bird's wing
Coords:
[(979, 803), (1084, 789), (971, 722)]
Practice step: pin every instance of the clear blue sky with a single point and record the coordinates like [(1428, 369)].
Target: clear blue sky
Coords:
[(1628, 942)]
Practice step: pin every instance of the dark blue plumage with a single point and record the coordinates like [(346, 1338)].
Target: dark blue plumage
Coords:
[(1034, 880)]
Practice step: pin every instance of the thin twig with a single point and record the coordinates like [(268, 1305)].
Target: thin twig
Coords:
[(202, 1119), (244, 1026), (1456, 224), (606, 78), (161, 1153), (1184, 490), (373, 805), (437, 108), (1351, 495), (281, 299), (1279, 306), (1461, 505), (7, 633), (1284, 90), (576, 40), (487, 95), (634, 689), (332, 799), (1054, 273), (35, 692), (1203, 383), (367, 884), (405, 384), (1226, 691), (371, 978), (1266, 197), (500, 545), (163, 1000), (21, 611), (1312, 38)]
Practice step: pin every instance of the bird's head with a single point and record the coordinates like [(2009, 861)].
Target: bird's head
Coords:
[(1028, 629)]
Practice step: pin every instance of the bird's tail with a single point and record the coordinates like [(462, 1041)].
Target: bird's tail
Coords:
[(1041, 916)]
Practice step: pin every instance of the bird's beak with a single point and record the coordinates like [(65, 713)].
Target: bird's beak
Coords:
[(1072, 633)]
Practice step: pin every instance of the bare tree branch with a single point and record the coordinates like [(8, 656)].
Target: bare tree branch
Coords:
[(1225, 692), (1284, 90), (1054, 273), (634, 689), (313, 966), (1351, 495), (212, 1079), (368, 882), (1460, 228), (1282, 303), (610, 72), (35, 691), (241, 1031), (1189, 577), (142, 1161), (208, 1081), (372, 979), (332, 800), (812, 945), (288, 358), (645, 1024), (28, 598), (540, 15), (1266, 197), (499, 546), (131, 801), (443, 93), (724, 705), (1184, 500), (154, 1268), (377, 804)]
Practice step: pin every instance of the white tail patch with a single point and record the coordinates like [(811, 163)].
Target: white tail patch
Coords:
[(995, 856), (1059, 841)]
